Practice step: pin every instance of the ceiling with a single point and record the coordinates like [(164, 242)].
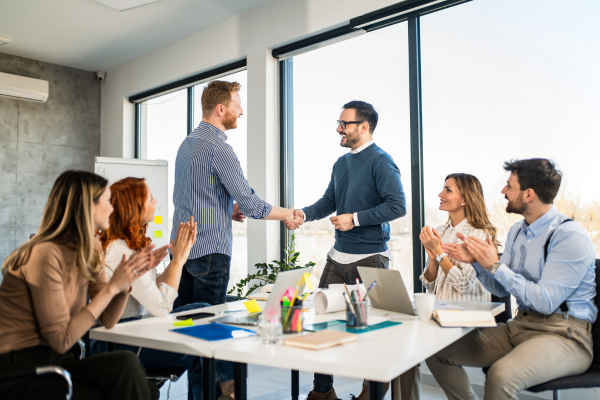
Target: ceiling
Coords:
[(87, 35)]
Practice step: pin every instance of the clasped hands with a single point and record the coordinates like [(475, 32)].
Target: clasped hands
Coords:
[(343, 222), (473, 249)]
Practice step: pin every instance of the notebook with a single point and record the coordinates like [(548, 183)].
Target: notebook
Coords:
[(321, 340), (464, 319)]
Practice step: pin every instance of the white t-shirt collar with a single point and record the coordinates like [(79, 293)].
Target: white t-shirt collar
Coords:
[(364, 146)]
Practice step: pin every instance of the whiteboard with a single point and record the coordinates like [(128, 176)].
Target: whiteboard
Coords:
[(155, 173)]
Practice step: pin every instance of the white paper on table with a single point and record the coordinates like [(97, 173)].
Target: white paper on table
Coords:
[(332, 300)]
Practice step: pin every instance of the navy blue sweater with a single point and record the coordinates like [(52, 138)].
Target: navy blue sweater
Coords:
[(368, 183)]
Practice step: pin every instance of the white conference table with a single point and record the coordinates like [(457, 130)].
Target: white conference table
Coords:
[(377, 356)]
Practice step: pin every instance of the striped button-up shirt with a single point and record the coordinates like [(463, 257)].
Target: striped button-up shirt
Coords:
[(461, 283), (208, 177)]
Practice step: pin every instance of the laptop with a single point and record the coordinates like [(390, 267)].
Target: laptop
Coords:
[(389, 293), (284, 281)]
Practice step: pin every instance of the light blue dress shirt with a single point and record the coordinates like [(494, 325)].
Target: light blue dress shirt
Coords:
[(568, 274)]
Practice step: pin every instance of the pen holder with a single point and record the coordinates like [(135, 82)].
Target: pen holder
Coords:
[(356, 314), (292, 319)]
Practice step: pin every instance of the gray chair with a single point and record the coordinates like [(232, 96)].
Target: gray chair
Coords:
[(590, 378)]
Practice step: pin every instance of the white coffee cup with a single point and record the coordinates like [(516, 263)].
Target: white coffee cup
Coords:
[(424, 303)]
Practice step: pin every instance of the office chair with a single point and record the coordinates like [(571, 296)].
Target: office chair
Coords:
[(590, 378), (160, 375), (35, 372), (78, 350)]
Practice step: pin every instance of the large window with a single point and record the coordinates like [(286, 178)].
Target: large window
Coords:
[(372, 68), (505, 79), (469, 85), (164, 124), (165, 128)]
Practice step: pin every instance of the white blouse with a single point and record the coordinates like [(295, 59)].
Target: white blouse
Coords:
[(461, 283), (146, 297)]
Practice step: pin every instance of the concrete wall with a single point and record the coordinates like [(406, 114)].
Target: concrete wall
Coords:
[(39, 141)]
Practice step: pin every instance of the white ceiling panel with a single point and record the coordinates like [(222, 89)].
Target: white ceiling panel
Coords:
[(87, 35)]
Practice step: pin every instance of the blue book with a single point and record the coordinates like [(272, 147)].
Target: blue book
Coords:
[(215, 331)]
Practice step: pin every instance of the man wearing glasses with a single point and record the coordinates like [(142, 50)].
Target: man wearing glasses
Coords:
[(365, 193)]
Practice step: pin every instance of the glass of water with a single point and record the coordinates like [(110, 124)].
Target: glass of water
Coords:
[(269, 328)]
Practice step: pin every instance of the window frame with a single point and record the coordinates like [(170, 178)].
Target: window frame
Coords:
[(188, 83)]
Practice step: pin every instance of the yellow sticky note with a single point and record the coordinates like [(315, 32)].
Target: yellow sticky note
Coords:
[(308, 281), (186, 322), (157, 219), (157, 234), (252, 306)]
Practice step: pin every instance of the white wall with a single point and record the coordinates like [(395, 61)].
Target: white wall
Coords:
[(252, 35)]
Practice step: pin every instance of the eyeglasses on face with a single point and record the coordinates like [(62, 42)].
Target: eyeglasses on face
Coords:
[(344, 123)]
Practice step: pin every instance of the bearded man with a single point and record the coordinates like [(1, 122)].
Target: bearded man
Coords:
[(208, 177)]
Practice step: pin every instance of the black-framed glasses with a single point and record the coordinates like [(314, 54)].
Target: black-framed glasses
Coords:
[(344, 123)]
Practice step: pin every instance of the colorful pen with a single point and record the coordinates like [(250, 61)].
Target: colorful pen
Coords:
[(360, 299), (370, 287)]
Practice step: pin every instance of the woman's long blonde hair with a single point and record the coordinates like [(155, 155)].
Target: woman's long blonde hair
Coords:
[(68, 220), (475, 208)]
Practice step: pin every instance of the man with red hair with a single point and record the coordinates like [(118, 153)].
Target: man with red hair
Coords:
[(208, 177)]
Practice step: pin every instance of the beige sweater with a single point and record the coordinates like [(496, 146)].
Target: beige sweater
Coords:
[(44, 302)]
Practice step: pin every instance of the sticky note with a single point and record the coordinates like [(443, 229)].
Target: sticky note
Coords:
[(187, 322), (157, 234), (157, 219), (252, 306), (308, 281)]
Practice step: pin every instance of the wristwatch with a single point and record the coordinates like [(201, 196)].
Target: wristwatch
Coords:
[(440, 257), (495, 268)]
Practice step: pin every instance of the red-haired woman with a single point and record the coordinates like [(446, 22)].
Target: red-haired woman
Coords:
[(151, 294)]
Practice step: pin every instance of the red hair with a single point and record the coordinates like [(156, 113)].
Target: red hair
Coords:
[(127, 197)]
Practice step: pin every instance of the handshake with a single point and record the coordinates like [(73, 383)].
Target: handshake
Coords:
[(294, 219)]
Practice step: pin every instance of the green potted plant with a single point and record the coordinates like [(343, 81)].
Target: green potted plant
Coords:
[(267, 273)]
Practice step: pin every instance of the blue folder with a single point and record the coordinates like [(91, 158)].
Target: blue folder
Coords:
[(215, 331)]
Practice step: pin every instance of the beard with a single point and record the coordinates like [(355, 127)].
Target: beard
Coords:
[(516, 207), (350, 140), (230, 121)]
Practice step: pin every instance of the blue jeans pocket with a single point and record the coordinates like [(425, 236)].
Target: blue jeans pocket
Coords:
[(199, 266)]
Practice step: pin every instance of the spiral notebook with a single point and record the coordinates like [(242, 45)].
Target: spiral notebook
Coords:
[(215, 331)]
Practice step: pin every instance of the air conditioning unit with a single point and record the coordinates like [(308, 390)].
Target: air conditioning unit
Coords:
[(21, 88)]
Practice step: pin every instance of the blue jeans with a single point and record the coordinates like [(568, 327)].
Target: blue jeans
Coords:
[(204, 280), (155, 359)]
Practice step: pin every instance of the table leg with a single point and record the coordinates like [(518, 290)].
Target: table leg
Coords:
[(209, 379), (375, 390), (240, 374), (295, 384), (110, 346)]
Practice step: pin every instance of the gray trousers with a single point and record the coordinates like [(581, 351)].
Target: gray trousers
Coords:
[(532, 349), (335, 272)]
